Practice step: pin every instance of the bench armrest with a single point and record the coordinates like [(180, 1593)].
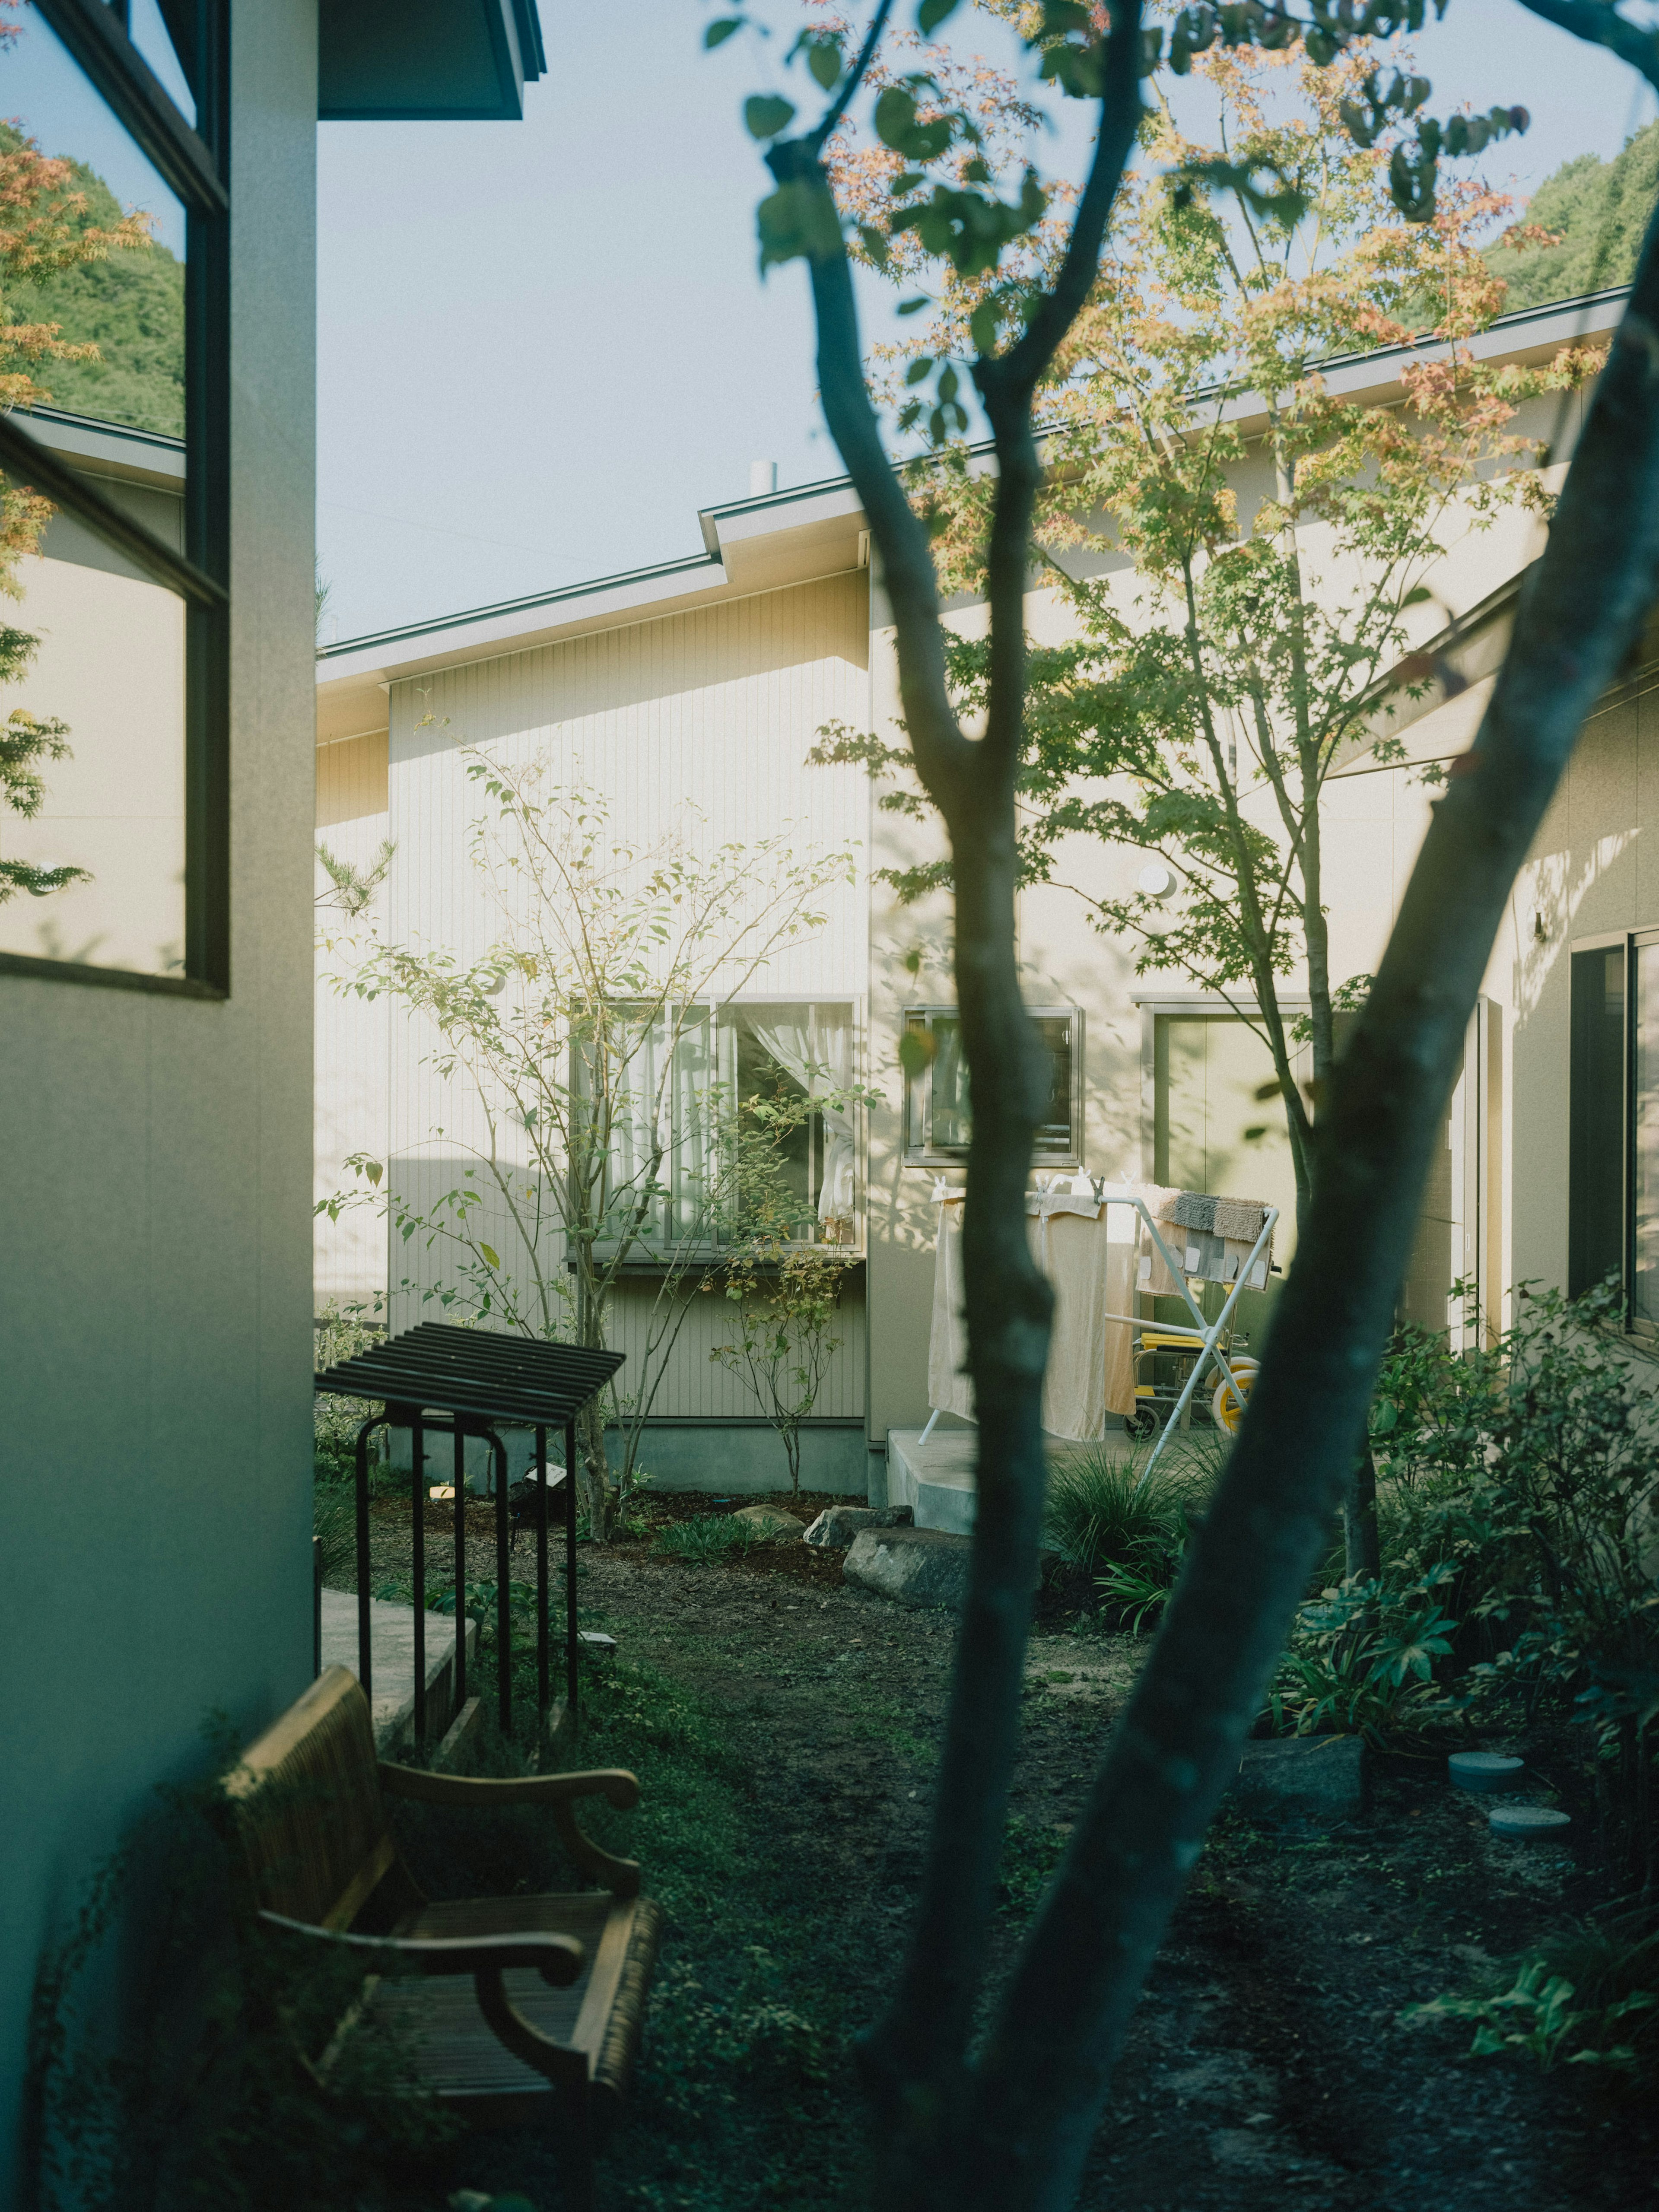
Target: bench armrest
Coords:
[(479, 1792), (558, 1792), (557, 1959)]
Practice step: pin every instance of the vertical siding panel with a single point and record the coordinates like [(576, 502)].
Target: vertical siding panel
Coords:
[(719, 707)]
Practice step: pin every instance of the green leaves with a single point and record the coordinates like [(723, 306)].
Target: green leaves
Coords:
[(798, 220), (933, 13), (492, 1257), (917, 1049), (766, 115), (898, 126), (719, 33)]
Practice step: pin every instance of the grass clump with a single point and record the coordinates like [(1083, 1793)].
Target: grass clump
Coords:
[(708, 1536), (1128, 1529)]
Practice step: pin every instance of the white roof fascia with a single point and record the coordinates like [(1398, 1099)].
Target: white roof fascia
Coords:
[(517, 625), (109, 449)]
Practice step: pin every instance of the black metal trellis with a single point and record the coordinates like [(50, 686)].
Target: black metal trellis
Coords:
[(477, 1380)]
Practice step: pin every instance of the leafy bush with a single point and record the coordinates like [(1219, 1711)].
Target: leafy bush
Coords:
[(1524, 1478), (341, 1331), (708, 1536), (1362, 1660), (1587, 1994)]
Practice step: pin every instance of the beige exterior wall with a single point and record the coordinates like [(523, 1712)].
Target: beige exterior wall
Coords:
[(695, 725), (154, 1298), (353, 1037), (1593, 872)]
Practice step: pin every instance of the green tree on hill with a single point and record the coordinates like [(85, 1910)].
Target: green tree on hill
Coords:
[(1598, 211), (131, 306)]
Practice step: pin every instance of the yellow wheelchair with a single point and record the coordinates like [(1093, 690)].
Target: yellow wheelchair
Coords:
[(1168, 1340)]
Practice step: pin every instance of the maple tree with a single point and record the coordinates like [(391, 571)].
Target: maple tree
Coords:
[(970, 2113), (1206, 696)]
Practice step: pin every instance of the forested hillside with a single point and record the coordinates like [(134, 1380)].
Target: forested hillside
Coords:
[(1599, 209), (131, 305)]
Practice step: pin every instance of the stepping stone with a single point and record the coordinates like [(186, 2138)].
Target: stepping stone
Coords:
[(1302, 1781)]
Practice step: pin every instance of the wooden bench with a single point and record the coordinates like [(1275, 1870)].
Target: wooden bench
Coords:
[(552, 2015)]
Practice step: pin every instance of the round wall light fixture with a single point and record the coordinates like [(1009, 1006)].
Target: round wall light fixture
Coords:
[(1156, 880)]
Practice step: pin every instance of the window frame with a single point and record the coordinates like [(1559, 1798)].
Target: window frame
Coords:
[(1628, 942), (649, 1259), (195, 164), (922, 1153)]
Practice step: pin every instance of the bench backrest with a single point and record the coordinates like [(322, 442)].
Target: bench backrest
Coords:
[(307, 1799)]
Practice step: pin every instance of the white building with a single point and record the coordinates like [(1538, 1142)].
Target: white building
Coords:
[(711, 677)]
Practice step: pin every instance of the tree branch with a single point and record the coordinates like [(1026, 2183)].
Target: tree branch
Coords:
[(820, 139)]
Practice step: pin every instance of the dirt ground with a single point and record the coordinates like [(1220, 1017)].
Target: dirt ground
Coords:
[(1265, 2067)]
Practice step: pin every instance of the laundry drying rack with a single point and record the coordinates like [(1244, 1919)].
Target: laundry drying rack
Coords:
[(1209, 1342)]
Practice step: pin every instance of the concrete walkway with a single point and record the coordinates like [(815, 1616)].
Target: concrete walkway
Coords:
[(391, 1632)]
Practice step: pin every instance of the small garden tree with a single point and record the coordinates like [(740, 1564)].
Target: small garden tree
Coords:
[(1004, 2118), (1262, 652), (580, 1047)]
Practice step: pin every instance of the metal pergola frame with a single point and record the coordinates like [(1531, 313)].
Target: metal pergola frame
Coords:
[(474, 1381)]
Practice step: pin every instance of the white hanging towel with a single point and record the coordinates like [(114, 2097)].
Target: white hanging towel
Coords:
[(1087, 1250)]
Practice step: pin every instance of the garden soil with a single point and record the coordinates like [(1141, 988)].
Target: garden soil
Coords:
[(1265, 2067)]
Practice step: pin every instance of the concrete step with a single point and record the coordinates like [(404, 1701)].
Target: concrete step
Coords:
[(392, 1648)]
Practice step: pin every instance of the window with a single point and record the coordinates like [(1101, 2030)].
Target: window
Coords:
[(1613, 1218), (937, 1122), (113, 661), (677, 1085)]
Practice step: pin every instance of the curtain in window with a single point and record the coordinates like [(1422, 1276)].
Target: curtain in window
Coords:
[(653, 1104), (814, 1045)]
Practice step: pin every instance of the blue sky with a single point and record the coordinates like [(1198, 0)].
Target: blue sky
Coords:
[(541, 346)]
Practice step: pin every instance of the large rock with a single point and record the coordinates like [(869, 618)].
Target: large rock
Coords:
[(917, 1566), (768, 1523), (1302, 1781), (837, 1525)]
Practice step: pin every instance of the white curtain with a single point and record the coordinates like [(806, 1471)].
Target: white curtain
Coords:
[(655, 1103), (814, 1044)]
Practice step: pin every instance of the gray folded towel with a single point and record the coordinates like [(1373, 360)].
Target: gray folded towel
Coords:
[(1194, 1210), (1240, 1218)]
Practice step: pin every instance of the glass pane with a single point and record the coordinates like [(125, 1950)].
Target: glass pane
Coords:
[(94, 267), (91, 686), (148, 30), (1645, 1148), (1596, 1238), (1053, 1135), (1212, 1132), (91, 664), (952, 1119)]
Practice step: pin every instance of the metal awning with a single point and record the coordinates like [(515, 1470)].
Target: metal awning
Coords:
[(515, 1379), (470, 1381)]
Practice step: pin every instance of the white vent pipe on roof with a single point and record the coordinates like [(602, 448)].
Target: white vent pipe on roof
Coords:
[(762, 478)]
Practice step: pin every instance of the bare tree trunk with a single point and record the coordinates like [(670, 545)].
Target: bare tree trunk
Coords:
[(1362, 1549), (914, 2064), (1043, 2076)]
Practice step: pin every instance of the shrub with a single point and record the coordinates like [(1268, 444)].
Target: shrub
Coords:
[(341, 1331), (1587, 1995), (1099, 1510)]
